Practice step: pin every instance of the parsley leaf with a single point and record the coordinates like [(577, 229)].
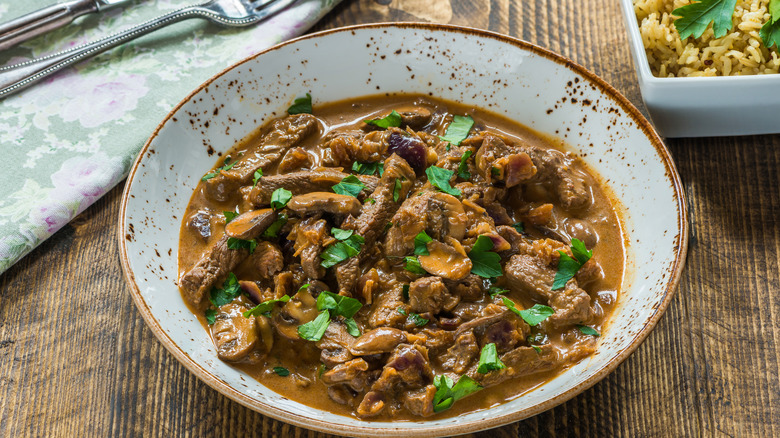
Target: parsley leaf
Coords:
[(281, 371), (234, 243), (229, 216), (489, 360), (532, 316), (349, 246), (368, 168), (301, 105), (265, 306), (273, 230), (588, 330), (448, 393), (485, 263), (518, 226), (458, 129), (230, 290), (696, 17), (211, 316), (280, 197), (495, 290), (421, 242), (418, 320), (313, 330), (256, 177), (350, 185), (413, 265), (352, 327), (226, 165), (770, 32), (567, 266), (338, 305), (440, 178), (393, 119), (463, 168), (397, 190), (405, 292)]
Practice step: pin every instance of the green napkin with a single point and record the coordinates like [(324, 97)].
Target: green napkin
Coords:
[(67, 141)]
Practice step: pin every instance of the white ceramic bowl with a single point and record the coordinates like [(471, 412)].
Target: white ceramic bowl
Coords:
[(529, 84), (703, 106)]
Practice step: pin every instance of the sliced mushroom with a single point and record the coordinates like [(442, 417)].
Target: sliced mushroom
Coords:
[(317, 202), (301, 308), (446, 260), (380, 340), (238, 339), (438, 214), (249, 225)]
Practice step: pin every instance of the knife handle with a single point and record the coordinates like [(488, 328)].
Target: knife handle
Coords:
[(42, 21)]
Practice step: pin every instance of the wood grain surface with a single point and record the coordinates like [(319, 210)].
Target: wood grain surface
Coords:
[(77, 360)]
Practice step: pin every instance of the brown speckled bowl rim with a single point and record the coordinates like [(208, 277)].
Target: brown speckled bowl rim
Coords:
[(425, 431)]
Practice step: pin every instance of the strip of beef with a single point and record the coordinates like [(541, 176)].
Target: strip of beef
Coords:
[(309, 236), (462, 353), (284, 133), (528, 274), (420, 402), (394, 185), (335, 344), (438, 214), (350, 373), (522, 361), (299, 183), (348, 147), (267, 259), (430, 295), (555, 170), (384, 312), (214, 265), (498, 161), (502, 328)]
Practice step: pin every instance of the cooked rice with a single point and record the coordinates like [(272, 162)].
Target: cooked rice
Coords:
[(739, 52)]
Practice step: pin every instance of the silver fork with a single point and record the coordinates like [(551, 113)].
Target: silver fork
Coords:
[(232, 13)]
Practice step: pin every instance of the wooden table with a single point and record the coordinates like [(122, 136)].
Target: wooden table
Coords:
[(77, 360)]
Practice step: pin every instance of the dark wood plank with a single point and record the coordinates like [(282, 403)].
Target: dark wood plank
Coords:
[(76, 359)]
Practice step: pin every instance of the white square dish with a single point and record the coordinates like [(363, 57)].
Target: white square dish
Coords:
[(703, 106)]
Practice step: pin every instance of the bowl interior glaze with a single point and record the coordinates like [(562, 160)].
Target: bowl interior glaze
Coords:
[(523, 82)]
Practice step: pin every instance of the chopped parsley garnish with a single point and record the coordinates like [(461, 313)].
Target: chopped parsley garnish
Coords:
[(352, 327), (397, 190), (265, 307), (489, 360), (463, 167), (370, 201), (588, 330), (696, 17), (234, 243), (440, 178), (536, 338), (405, 292), (321, 370), (495, 290), (485, 262), (273, 230), (770, 32), (350, 185), (567, 266), (458, 129), (368, 168), (301, 105), (226, 165), (518, 226), (338, 305), (418, 320), (413, 265), (230, 290), (537, 349), (348, 246), (393, 119), (280, 197), (313, 330), (532, 316), (211, 316), (229, 216), (281, 371), (448, 392), (421, 242), (256, 177)]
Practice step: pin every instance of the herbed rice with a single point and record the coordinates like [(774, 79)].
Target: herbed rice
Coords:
[(739, 52)]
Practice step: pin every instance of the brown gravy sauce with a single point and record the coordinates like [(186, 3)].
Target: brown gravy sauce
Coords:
[(299, 357)]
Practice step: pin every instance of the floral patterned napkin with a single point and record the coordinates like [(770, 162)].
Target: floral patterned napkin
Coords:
[(67, 141)]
